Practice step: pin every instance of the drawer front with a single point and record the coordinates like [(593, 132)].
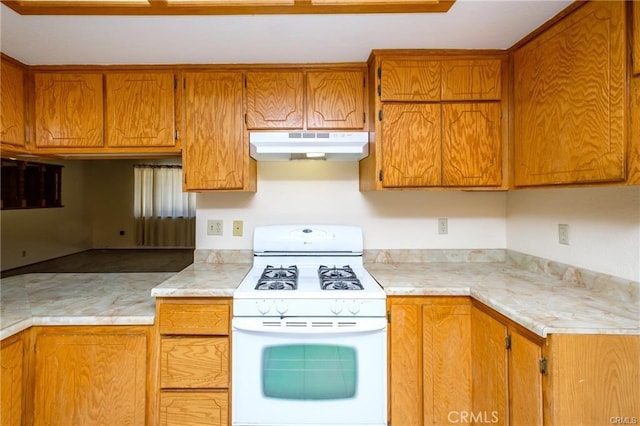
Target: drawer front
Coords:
[(192, 318), (182, 408), (194, 362)]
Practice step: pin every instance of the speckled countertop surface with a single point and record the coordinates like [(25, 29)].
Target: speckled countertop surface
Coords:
[(542, 303)]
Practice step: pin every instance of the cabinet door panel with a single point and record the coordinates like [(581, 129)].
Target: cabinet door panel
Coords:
[(90, 379), (525, 382), (471, 80), (335, 100), (411, 151), (194, 318), (11, 390), (140, 109), (196, 362), (472, 144), (214, 142), (406, 80), (274, 100), (489, 365), (194, 408), (68, 110), (12, 105), (570, 114), (446, 363)]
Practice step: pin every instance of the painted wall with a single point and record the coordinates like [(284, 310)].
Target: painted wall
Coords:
[(327, 192), (604, 227), (42, 234)]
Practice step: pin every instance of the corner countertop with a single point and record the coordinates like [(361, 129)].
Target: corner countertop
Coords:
[(541, 303)]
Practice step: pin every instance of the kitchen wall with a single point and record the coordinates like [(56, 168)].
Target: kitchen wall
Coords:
[(604, 227), (42, 234), (327, 192)]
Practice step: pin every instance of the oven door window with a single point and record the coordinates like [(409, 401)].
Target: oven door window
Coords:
[(309, 372)]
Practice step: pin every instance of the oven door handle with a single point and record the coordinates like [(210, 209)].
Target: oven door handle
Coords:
[(295, 325)]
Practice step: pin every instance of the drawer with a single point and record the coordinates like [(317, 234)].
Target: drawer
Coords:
[(194, 362), (186, 408), (194, 318)]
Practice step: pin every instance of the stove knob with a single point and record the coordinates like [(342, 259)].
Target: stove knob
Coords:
[(281, 307), (263, 306), (354, 307), (336, 307)]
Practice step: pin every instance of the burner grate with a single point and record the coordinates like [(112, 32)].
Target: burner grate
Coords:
[(278, 278), (335, 278)]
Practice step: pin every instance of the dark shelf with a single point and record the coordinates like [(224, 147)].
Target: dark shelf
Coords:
[(29, 185)]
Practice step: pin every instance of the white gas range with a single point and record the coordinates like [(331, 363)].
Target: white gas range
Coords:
[(309, 332)]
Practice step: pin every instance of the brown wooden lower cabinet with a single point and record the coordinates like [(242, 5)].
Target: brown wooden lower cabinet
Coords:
[(194, 361), (12, 376)]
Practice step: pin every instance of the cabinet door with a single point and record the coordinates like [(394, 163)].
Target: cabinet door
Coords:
[(409, 80), (274, 100), (68, 110), (83, 379), (570, 117), (12, 105), (411, 145), (471, 144), (470, 80), (335, 100), (140, 109), (214, 151), (446, 371), (194, 362), (489, 364), (205, 408), (525, 381), (405, 364), (11, 390), (636, 37)]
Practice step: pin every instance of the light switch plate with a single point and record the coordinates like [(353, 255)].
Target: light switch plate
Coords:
[(563, 233)]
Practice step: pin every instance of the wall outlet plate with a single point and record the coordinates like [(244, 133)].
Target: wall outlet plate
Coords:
[(563, 234), (443, 226), (237, 228), (214, 227)]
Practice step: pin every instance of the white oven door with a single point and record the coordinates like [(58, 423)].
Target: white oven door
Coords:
[(309, 371)]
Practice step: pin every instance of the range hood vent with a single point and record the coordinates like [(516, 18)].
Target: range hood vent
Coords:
[(332, 146)]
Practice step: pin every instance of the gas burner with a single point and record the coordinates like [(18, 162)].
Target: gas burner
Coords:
[(338, 278), (282, 278)]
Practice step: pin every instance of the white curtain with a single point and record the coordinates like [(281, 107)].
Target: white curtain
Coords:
[(164, 215)]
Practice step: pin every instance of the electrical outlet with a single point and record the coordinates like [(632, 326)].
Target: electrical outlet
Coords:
[(24, 253), (563, 233), (443, 225), (237, 228), (214, 227)]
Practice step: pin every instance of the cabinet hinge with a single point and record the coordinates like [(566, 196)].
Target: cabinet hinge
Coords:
[(175, 82), (380, 175), (379, 72), (245, 119), (389, 316), (543, 366), (177, 135), (380, 115), (507, 342), (364, 117), (379, 89)]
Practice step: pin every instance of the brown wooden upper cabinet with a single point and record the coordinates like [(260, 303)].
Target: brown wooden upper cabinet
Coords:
[(570, 108), (140, 109), (438, 121), (68, 109), (12, 108), (276, 99)]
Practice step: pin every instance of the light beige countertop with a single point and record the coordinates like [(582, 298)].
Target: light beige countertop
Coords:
[(543, 296)]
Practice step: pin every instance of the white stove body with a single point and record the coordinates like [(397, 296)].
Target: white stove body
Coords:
[(335, 340)]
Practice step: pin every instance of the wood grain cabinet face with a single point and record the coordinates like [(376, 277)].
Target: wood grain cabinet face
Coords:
[(471, 144), (12, 105), (196, 362), (214, 154), (636, 37), (140, 109), (194, 319), (473, 79), (90, 379), (411, 151), (429, 360), (335, 100), (409, 80), (68, 110), (525, 381), (194, 408), (570, 84), (274, 100), (11, 374)]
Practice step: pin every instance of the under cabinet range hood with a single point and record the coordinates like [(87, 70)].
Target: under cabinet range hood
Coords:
[(332, 146)]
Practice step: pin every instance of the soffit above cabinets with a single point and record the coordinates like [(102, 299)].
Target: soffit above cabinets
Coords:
[(224, 7)]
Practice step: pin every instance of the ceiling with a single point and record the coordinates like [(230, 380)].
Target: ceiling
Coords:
[(66, 40)]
